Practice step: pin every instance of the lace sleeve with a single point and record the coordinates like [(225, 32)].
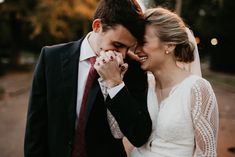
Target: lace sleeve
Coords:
[(114, 126), (205, 118)]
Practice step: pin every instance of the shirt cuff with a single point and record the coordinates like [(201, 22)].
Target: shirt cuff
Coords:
[(113, 91)]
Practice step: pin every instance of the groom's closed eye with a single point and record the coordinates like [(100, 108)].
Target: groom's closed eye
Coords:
[(119, 45)]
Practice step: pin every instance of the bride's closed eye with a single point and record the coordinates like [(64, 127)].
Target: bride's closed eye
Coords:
[(144, 42)]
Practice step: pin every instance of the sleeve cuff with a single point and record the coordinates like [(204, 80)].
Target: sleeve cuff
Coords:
[(113, 91)]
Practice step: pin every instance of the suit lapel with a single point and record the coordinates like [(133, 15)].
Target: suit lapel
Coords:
[(70, 61)]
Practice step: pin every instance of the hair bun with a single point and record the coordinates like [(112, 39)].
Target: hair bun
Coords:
[(184, 52)]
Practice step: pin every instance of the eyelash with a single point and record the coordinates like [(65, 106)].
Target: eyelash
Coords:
[(119, 45), (144, 42)]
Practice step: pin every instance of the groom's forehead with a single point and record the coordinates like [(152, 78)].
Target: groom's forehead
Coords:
[(121, 35)]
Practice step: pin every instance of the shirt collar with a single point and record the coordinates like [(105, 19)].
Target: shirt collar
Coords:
[(86, 50)]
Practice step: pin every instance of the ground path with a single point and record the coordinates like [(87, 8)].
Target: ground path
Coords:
[(13, 108)]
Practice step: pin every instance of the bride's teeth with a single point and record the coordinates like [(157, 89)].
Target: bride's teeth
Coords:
[(143, 58)]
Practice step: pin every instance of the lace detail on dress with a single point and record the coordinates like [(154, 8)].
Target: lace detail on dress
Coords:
[(205, 118), (114, 126)]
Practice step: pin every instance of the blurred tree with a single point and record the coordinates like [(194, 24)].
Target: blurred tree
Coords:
[(178, 6), (170, 4), (57, 16), (12, 19), (209, 19), (29, 25), (147, 3), (222, 57), (201, 18)]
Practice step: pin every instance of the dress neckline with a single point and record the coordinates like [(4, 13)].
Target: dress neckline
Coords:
[(173, 89)]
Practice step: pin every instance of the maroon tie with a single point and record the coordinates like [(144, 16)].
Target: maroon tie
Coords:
[(79, 149)]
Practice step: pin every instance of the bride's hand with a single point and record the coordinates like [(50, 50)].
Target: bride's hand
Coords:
[(123, 66), (110, 67)]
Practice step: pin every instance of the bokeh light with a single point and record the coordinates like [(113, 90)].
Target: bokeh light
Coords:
[(214, 41)]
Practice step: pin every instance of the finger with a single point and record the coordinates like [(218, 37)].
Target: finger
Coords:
[(105, 60), (96, 65), (133, 56), (106, 56), (115, 52), (102, 53), (102, 56), (119, 58), (110, 55), (124, 69), (98, 59)]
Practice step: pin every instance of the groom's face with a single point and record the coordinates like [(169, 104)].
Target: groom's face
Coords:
[(116, 38)]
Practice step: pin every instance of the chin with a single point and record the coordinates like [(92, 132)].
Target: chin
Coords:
[(143, 67)]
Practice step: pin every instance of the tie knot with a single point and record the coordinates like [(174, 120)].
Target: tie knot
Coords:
[(92, 60)]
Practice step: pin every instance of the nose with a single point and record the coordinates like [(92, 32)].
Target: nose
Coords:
[(138, 50), (123, 51)]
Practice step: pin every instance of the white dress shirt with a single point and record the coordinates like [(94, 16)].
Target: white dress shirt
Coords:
[(83, 69)]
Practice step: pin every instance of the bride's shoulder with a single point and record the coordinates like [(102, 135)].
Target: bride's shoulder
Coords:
[(200, 84), (151, 80), (196, 79)]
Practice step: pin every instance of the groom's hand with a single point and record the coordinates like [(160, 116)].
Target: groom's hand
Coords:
[(110, 67)]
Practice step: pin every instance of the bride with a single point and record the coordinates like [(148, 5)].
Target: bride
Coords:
[(182, 106)]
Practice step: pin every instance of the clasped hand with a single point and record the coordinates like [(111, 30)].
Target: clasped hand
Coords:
[(111, 67)]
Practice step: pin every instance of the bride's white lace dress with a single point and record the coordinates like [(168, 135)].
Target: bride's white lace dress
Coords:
[(185, 124)]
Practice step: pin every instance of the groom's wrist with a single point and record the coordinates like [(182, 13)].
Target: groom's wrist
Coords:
[(113, 91), (113, 83)]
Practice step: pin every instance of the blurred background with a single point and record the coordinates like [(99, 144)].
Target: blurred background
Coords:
[(28, 25)]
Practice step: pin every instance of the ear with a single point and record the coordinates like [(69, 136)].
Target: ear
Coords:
[(170, 47), (96, 25)]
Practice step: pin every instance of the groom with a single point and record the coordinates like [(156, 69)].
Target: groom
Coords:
[(66, 118)]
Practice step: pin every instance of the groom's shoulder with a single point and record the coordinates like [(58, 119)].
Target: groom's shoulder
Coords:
[(61, 48), (135, 77)]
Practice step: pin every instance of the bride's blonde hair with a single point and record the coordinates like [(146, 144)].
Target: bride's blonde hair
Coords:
[(169, 27)]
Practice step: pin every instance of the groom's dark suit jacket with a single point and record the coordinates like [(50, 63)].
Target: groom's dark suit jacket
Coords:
[(52, 108)]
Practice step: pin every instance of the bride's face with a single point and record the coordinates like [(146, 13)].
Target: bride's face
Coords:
[(153, 52)]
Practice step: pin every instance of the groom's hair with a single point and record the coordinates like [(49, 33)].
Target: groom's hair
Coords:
[(127, 13)]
